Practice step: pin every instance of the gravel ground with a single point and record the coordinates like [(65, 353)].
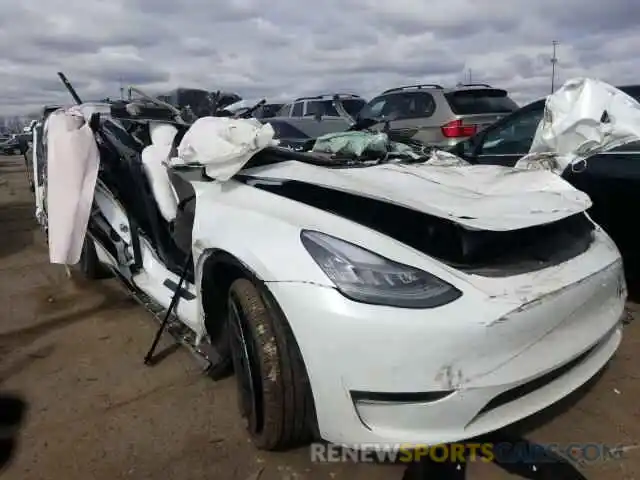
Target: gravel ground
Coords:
[(75, 350)]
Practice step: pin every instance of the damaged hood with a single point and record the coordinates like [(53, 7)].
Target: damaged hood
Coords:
[(476, 196), (482, 197), (583, 118)]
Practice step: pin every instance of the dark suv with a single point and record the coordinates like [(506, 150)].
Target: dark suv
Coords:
[(611, 179), (436, 115)]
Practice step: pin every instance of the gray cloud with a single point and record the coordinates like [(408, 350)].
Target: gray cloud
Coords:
[(285, 48)]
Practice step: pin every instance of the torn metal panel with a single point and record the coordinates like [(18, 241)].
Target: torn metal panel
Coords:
[(445, 159), (583, 118)]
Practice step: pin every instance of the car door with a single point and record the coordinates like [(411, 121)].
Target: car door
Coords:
[(508, 140)]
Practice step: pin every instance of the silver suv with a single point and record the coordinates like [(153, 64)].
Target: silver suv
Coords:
[(317, 115), (436, 115)]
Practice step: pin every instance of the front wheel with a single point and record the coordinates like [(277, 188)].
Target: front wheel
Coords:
[(274, 395)]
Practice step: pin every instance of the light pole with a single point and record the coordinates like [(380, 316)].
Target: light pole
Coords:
[(554, 60)]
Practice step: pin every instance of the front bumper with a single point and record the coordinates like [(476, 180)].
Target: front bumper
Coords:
[(387, 375)]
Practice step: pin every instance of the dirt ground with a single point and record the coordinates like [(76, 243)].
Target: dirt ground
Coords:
[(75, 350)]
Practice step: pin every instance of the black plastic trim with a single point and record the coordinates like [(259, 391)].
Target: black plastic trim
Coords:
[(404, 397), (184, 293)]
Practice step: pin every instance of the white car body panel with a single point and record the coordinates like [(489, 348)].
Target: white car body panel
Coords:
[(350, 347), (113, 212), (521, 326)]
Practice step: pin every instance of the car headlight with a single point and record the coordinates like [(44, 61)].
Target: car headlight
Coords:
[(364, 276)]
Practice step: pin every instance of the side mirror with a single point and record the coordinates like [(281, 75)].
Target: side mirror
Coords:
[(465, 149), (317, 116)]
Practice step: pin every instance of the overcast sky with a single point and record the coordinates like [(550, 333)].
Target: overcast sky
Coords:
[(297, 47)]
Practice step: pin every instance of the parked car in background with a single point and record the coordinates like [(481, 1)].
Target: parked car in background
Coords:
[(268, 110), (611, 179), (317, 115), (322, 105), (260, 109), (436, 115), (288, 135), (14, 146)]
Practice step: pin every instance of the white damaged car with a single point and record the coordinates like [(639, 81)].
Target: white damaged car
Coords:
[(383, 297)]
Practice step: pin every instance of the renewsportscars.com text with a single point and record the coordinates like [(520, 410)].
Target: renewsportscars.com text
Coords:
[(468, 452)]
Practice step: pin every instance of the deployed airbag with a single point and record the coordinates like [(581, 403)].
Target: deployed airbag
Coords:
[(224, 145), (72, 167)]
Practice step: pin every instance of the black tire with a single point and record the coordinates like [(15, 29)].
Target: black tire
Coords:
[(224, 368), (274, 394), (89, 264)]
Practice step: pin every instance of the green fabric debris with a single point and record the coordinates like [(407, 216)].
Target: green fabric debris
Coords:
[(352, 144)]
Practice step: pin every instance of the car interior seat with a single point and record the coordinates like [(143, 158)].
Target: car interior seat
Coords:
[(153, 158)]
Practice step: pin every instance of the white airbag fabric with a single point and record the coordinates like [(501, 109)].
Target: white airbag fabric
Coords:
[(572, 128), (224, 145), (72, 168)]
